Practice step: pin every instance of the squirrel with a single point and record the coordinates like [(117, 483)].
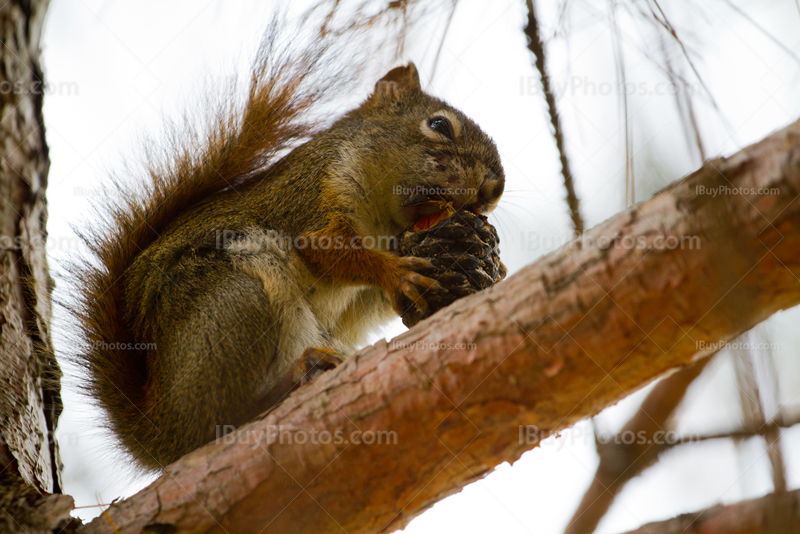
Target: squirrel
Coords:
[(243, 272)]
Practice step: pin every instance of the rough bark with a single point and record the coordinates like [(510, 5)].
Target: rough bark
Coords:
[(623, 458), (29, 378), (24, 510), (557, 342), (29, 375), (777, 513)]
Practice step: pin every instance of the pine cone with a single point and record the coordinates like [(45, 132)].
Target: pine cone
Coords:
[(464, 249)]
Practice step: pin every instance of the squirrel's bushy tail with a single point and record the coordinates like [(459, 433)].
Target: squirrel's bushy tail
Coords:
[(236, 142)]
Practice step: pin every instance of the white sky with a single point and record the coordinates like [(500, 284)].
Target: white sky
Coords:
[(116, 68)]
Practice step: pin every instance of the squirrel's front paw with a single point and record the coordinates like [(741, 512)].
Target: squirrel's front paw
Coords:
[(314, 362), (412, 286)]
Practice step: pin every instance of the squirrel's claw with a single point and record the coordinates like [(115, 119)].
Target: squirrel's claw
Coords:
[(314, 362), (412, 286)]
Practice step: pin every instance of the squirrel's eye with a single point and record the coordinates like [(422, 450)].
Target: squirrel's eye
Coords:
[(442, 126)]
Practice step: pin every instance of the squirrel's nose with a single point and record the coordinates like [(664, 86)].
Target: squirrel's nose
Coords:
[(491, 190)]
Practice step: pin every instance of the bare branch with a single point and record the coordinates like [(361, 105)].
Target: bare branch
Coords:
[(736, 435), (754, 415), (773, 514), (622, 459)]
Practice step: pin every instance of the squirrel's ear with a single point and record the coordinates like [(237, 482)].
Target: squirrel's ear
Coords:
[(397, 82)]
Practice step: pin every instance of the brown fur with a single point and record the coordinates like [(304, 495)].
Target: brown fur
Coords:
[(224, 320)]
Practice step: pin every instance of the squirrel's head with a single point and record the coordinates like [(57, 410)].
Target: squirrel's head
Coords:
[(436, 159)]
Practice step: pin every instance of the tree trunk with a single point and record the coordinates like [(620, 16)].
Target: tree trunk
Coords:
[(29, 375), (482, 381)]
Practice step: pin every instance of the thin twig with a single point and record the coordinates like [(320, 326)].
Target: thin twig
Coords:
[(683, 100), (444, 36), (665, 23), (536, 45), (630, 180), (760, 28), (735, 435)]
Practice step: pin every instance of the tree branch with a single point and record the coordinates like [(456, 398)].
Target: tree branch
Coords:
[(739, 434), (622, 458), (777, 513), (650, 290)]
